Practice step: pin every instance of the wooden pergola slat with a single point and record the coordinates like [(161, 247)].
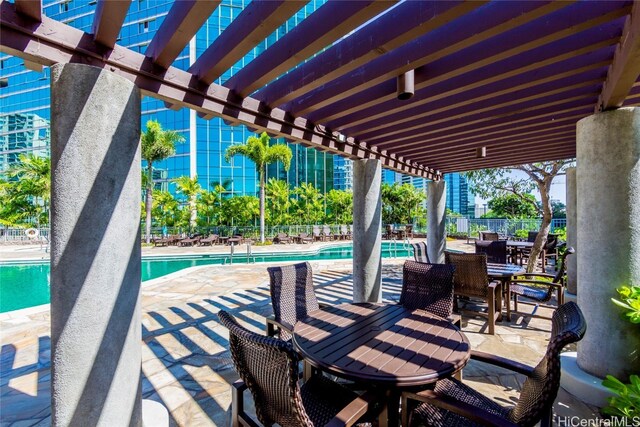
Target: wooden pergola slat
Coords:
[(376, 38), (250, 28), (180, 25), (323, 27), (30, 8), (108, 20), (626, 64)]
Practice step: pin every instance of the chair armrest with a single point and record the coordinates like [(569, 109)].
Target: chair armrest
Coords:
[(323, 305), (502, 362), (528, 275), (238, 416), (471, 412), (351, 413), (271, 322), (537, 282)]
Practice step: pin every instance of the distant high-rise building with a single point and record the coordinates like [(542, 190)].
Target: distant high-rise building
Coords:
[(342, 173), (25, 100), (307, 165), (460, 198)]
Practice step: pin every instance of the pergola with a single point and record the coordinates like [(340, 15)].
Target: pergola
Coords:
[(420, 87)]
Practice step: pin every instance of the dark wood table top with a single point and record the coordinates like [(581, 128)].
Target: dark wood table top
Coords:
[(504, 271), (384, 344)]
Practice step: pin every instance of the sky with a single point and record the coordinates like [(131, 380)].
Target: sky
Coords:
[(558, 188)]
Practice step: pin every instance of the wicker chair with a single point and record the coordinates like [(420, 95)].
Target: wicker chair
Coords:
[(420, 253), (292, 297), (269, 368), (534, 286), (429, 287), (496, 250), (489, 235), (471, 280), (453, 403)]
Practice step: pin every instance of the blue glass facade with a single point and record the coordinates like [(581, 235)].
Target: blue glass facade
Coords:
[(460, 198), (24, 102)]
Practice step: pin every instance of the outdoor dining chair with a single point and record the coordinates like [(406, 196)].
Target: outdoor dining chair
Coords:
[(538, 287), (429, 287), (452, 403), (496, 250), (471, 280), (489, 235), (269, 368), (292, 297)]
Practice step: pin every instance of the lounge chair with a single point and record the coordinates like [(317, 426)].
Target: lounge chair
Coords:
[(345, 234), (209, 241), (270, 369), (317, 234), (282, 238), (420, 252), (453, 403), (189, 241), (160, 241), (326, 232), (303, 238)]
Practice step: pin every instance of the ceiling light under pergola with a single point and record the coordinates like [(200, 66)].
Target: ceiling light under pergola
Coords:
[(405, 85)]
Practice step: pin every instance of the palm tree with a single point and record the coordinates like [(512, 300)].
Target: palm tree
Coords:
[(30, 179), (190, 187), (157, 145), (259, 152)]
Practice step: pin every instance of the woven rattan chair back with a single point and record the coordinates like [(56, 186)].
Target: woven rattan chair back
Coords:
[(531, 237), (489, 235), (292, 294), (428, 287), (562, 266), (496, 250), (470, 277), (541, 388), (420, 252), (269, 367)]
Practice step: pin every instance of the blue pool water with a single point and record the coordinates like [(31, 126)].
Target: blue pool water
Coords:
[(26, 284)]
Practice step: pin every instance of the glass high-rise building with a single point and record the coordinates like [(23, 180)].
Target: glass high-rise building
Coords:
[(25, 99), (460, 198)]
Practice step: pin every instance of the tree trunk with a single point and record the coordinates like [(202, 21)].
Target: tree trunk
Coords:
[(261, 177), (147, 202), (541, 240)]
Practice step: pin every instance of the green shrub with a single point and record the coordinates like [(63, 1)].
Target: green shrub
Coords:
[(630, 297), (626, 402)]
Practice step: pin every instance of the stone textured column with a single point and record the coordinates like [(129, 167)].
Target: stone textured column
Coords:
[(608, 207), (572, 215), (95, 248), (367, 231), (436, 216)]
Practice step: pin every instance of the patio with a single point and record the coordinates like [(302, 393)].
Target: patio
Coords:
[(186, 363)]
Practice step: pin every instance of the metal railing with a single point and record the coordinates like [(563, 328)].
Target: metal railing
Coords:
[(507, 227)]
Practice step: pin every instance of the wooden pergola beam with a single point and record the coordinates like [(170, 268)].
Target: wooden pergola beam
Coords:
[(625, 69), (108, 20), (30, 8), (256, 21), (179, 26), (54, 42)]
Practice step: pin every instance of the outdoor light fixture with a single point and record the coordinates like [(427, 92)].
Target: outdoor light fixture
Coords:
[(341, 137), (405, 86), (481, 152)]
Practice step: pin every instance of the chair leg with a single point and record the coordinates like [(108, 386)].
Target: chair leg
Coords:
[(237, 402), (492, 313), (508, 301)]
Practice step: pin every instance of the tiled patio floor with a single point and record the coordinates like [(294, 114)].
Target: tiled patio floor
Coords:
[(185, 362)]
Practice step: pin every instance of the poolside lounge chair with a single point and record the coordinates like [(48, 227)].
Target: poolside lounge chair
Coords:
[(453, 403), (209, 241), (429, 287), (270, 369), (472, 280), (282, 238), (317, 234), (303, 238), (536, 287), (189, 241), (345, 234), (160, 241), (420, 252), (326, 232)]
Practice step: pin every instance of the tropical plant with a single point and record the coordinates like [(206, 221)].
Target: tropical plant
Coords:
[(190, 188), (261, 154), (512, 206), (278, 202), (401, 203), (339, 207), (242, 210), (630, 301), (490, 183), (156, 144), (27, 191), (308, 207), (165, 209)]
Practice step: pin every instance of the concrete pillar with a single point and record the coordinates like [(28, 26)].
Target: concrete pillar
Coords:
[(367, 231), (572, 215), (95, 248), (436, 216), (608, 207)]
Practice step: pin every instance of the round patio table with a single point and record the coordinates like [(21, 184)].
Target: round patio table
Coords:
[(382, 345)]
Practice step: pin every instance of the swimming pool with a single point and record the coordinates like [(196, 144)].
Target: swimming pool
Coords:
[(26, 284)]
